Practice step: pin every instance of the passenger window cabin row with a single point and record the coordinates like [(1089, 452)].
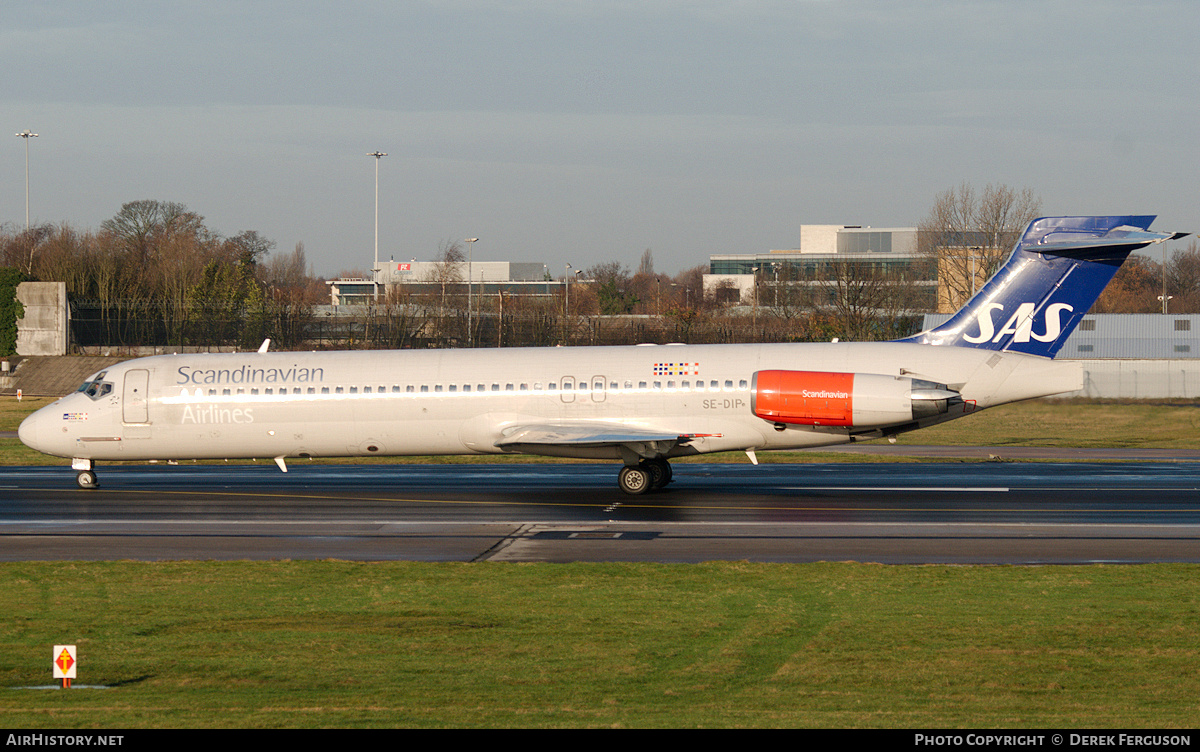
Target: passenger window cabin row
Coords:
[(580, 386)]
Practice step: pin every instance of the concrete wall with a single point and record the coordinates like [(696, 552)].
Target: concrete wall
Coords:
[(819, 238), (44, 328)]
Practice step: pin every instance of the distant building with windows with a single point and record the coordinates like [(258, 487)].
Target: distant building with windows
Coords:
[(352, 291), (823, 252), (485, 272), (487, 277)]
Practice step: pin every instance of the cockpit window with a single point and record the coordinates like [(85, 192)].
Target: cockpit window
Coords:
[(97, 387)]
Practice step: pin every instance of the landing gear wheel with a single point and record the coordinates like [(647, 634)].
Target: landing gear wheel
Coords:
[(660, 473), (86, 479), (634, 480)]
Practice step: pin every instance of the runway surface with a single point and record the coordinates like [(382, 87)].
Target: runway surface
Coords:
[(944, 512)]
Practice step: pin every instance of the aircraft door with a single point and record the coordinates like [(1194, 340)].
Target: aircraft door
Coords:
[(598, 389), (568, 389), (134, 398)]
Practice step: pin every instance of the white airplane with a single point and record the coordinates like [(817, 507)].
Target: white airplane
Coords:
[(641, 405)]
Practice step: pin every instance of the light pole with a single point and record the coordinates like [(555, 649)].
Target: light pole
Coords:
[(470, 281), (567, 302), (567, 282), (1164, 297), (375, 269), (754, 269), (26, 134), (974, 274)]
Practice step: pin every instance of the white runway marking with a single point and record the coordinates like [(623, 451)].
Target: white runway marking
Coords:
[(950, 489)]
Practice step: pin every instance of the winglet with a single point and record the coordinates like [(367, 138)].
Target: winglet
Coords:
[(282, 465), (266, 345)]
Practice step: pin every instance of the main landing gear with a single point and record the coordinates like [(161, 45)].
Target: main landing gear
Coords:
[(645, 476)]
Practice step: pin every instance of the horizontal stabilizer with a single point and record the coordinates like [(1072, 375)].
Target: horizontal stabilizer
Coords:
[(1120, 241)]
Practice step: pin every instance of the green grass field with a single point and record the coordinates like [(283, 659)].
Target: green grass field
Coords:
[(308, 644)]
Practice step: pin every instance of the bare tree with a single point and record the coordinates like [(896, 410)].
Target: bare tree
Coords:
[(180, 259), (789, 290), (689, 287), (18, 248), (646, 265), (447, 269), (447, 273), (141, 225), (971, 235), (291, 295), (286, 269), (870, 300), (1134, 288), (1183, 278)]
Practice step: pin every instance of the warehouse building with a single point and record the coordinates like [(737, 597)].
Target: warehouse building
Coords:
[(1131, 355)]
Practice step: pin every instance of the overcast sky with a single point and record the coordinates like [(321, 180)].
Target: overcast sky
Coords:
[(584, 131)]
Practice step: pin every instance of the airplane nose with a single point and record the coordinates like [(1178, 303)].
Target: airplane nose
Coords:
[(27, 432)]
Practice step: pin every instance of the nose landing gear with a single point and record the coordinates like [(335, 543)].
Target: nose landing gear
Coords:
[(85, 477)]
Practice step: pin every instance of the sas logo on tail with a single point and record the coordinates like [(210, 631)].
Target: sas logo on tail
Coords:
[(1020, 324)]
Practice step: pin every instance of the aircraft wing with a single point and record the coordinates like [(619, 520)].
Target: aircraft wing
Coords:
[(567, 435)]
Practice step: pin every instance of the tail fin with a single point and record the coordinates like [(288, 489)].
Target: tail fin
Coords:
[(1056, 272)]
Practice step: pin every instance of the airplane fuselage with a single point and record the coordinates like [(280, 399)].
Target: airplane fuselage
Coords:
[(420, 402)]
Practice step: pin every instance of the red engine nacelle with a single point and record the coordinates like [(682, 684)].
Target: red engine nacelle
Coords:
[(859, 400)]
